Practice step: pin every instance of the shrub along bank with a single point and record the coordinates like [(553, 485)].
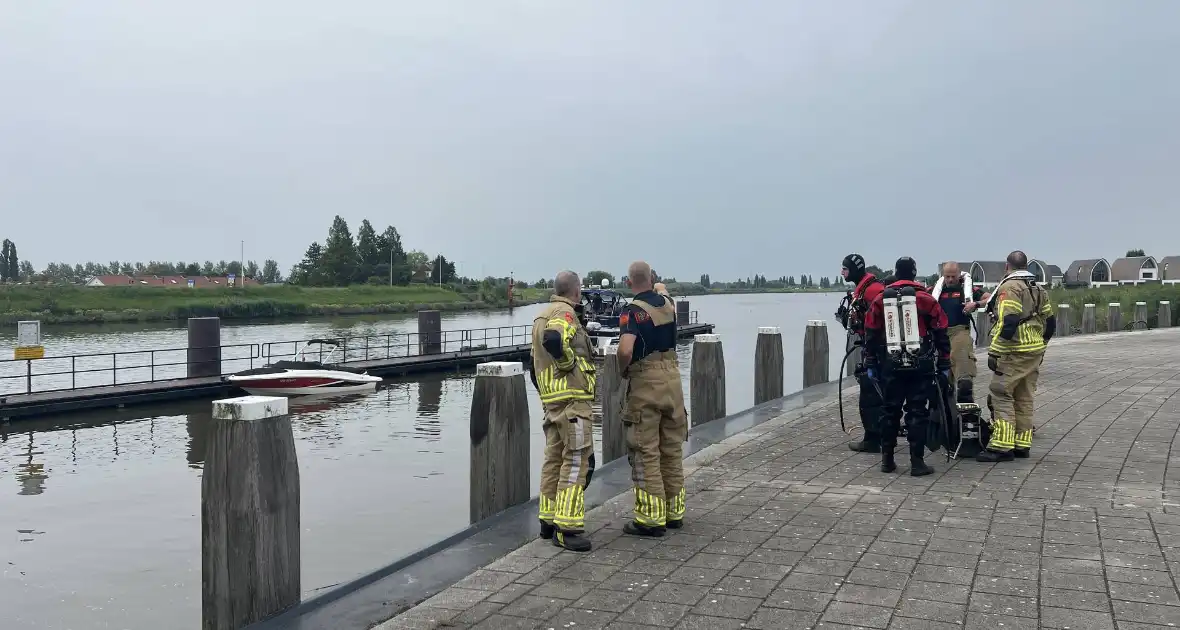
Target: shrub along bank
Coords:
[(77, 304), (1126, 296)]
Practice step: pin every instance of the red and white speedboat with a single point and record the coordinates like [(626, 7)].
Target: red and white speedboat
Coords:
[(303, 377)]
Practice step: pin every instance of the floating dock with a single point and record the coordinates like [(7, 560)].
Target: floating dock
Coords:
[(433, 359)]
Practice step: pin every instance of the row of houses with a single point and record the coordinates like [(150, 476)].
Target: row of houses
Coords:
[(1091, 272), (195, 282)]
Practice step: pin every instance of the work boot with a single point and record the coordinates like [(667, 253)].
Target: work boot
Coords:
[(918, 465), (988, 455), (887, 463), (1022, 453), (547, 530), (635, 529), (675, 523), (574, 541), (865, 446)]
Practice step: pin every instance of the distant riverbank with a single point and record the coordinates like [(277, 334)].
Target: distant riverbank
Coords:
[(79, 305)]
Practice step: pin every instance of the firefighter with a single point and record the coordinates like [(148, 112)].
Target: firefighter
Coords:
[(906, 367), (1024, 323), (867, 288), (655, 423), (565, 379)]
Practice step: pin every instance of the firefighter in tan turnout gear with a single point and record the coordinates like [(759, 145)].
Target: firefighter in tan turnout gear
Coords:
[(565, 379), (656, 424), (1023, 325)]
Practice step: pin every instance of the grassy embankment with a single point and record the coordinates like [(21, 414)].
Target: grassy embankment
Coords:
[(1126, 296), (74, 304)]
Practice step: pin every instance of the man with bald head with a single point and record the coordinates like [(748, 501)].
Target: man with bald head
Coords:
[(655, 423), (955, 294), (565, 379)]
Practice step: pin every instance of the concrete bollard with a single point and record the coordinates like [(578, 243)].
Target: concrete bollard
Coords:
[(1089, 319), (768, 365), (499, 439), (250, 545), (430, 339), (1141, 313), (706, 379), (983, 329), (204, 347), (815, 353), (1064, 321), (1114, 317), (612, 386), (682, 313), (1165, 314)]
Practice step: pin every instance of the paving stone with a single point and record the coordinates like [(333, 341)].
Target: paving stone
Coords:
[(858, 615), (788, 529), (1004, 605)]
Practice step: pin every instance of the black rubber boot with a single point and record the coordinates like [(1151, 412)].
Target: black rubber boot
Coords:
[(966, 391), (547, 530), (574, 541), (1021, 453), (635, 529), (675, 524), (918, 465), (865, 446), (988, 455), (887, 463)]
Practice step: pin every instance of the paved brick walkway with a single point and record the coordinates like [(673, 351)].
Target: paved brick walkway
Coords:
[(787, 528)]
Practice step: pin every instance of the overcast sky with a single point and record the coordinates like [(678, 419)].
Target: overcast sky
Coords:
[(723, 137)]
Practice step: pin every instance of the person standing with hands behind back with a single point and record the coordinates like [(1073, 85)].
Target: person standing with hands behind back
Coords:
[(655, 423)]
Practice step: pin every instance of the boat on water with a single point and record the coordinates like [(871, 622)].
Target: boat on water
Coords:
[(602, 308), (302, 376)]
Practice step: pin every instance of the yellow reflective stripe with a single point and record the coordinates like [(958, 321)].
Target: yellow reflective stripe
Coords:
[(1015, 306), (571, 508), (567, 331), (1003, 436), (649, 509), (676, 507), (1024, 439), (546, 509)]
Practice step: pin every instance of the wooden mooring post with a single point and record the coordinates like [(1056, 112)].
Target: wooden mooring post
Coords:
[(1165, 315), (1140, 313), (706, 379), (612, 386), (250, 545), (768, 365), (815, 353), (1064, 321), (499, 439), (1114, 317), (1089, 319), (430, 339), (204, 347)]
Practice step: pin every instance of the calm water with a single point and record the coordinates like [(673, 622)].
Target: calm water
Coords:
[(100, 512)]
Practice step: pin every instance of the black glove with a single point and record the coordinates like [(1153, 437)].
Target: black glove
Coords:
[(993, 363)]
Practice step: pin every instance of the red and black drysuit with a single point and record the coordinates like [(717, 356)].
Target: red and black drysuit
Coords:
[(909, 389), (867, 290)]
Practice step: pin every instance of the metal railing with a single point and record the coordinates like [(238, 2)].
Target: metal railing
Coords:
[(127, 367), (403, 345)]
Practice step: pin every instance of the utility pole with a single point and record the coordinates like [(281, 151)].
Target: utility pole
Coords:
[(242, 264), (391, 264)]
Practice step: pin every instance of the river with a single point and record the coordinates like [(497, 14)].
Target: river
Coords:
[(102, 509)]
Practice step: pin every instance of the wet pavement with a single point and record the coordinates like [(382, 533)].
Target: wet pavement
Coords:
[(787, 528)]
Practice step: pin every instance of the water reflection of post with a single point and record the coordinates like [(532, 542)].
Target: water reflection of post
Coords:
[(31, 476), (197, 425), (429, 401)]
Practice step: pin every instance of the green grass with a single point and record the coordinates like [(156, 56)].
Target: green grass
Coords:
[(1126, 296), (74, 304)]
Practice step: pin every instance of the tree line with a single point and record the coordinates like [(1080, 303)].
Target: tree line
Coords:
[(370, 258)]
